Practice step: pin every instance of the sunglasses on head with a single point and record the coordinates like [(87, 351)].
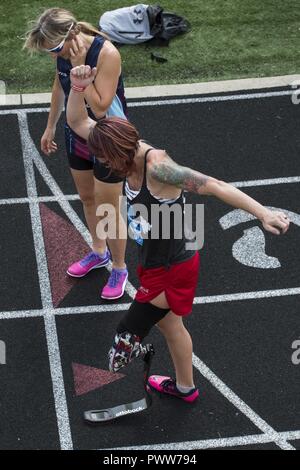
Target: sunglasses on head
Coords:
[(60, 46)]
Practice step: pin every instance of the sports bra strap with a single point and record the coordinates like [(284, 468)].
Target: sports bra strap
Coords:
[(145, 165)]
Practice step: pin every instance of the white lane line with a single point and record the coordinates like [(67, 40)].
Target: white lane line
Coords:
[(37, 229), (28, 200), (203, 99), (16, 200), (240, 404), (124, 306), (209, 99), (247, 296), (266, 182), (17, 111), (91, 309), (75, 197), (14, 314), (60, 401), (64, 204), (67, 208), (215, 443)]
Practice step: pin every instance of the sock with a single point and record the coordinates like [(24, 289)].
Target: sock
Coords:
[(183, 389)]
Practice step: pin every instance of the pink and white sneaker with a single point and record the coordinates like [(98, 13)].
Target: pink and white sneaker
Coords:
[(167, 385), (91, 261), (115, 287)]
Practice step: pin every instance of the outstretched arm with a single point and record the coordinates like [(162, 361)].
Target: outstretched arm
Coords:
[(167, 171), (77, 117)]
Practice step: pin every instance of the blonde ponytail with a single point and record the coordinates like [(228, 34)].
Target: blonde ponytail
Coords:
[(88, 28)]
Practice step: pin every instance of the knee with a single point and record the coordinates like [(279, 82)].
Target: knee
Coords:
[(170, 331), (108, 193), (140, 318), (165, 331)]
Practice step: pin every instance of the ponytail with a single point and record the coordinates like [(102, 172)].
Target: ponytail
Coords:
[(88, 28)]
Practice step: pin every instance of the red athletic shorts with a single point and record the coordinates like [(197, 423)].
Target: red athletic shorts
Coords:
[(179, 283)]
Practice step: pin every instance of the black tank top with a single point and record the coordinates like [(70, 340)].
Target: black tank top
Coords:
[(161, 241)]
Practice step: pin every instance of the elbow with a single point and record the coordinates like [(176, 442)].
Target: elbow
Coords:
[(99, 112), (221, 184), (100, 108), (214, 186), (72, 123)]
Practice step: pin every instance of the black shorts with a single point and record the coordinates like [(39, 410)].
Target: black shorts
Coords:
[(80, 158)]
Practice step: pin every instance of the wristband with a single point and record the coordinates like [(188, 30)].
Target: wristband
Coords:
[(78, 89)]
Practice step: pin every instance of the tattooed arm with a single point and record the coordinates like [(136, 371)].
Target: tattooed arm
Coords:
[(165, 170), (169, 172)]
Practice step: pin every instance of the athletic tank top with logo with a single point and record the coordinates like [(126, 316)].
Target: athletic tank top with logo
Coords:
[(157, 226), (118, 106)]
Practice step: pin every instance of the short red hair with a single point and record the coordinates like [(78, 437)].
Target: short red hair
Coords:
[(114, 140)]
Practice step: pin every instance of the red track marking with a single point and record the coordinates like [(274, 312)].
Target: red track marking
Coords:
[(88, 378)]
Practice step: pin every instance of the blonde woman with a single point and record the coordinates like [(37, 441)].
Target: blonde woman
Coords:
[(72, 43)]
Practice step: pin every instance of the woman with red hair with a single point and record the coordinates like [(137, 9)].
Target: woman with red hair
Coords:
[(168, 271)]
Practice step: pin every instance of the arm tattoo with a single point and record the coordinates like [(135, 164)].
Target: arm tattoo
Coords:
[(181, 177)]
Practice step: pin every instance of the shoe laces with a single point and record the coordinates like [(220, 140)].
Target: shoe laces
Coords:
[(169, 384), (114, 278), (89, 258)]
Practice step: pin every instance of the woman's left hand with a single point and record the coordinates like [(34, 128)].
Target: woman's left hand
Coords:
[(78, 52)]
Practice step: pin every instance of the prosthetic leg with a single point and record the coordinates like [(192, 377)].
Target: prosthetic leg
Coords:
[(110, 414), (132, 329)]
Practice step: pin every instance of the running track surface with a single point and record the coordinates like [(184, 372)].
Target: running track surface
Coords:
[(245, 320)]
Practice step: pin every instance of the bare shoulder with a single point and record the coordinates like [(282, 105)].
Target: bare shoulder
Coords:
[(161, 167), (157, 156), (109, 52)]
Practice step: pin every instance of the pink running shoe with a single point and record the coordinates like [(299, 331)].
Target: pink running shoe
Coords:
[(91, 261), (167, 385), (115, 286)]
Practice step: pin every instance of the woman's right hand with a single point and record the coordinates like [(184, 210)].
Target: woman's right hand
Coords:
[(82, 75), (48, 145)]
